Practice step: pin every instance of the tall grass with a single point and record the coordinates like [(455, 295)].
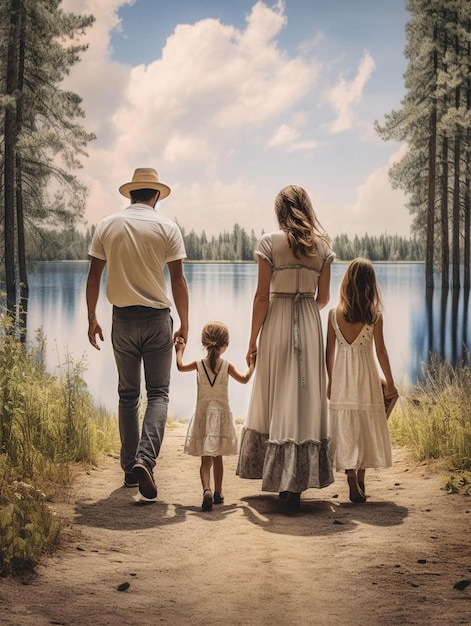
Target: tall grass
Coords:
[(48, 425), (434, 419)]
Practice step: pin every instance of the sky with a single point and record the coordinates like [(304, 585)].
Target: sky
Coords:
[(231, 100)]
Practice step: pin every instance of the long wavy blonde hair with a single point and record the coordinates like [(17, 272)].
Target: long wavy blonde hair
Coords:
[(360, 296), (297, 218), (214, 337)]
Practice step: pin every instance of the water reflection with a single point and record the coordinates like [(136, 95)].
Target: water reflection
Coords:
[(417, 322), (447, 322)]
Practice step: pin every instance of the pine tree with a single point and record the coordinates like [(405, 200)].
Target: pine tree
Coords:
[(42, 139), (434, 121)]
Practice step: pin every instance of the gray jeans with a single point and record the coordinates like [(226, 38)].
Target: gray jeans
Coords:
[(142, 335)]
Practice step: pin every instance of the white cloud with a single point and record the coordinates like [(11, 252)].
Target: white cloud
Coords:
[(201, 113), (378, 208), (193, 113), (226, 203), (288, 138), (96, 78), (347, 94)]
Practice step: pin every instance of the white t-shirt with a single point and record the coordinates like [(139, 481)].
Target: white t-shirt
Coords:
[(136, 244)]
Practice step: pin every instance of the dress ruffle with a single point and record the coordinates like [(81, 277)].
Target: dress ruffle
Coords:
[(285, 465), (253, 446), (214, 435)]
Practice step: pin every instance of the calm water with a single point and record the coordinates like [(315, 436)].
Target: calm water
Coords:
[(414, 324)]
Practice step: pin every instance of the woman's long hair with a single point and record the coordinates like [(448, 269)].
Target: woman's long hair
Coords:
[(214, 337), (360, 296), (297, 218)]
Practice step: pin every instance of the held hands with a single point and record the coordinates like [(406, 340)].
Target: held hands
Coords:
[(180, 345), (251, 354), (180, 334)]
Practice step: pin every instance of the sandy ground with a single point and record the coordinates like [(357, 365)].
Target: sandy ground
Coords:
[(393, 560)]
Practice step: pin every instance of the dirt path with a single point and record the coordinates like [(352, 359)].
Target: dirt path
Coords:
[(393, 560)]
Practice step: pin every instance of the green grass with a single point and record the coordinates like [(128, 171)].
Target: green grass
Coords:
[(49, 427), (434, 419)]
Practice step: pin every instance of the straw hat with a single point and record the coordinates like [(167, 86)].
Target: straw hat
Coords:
[(144, 178)]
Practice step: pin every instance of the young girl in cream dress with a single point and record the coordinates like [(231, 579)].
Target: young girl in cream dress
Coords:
[(211, 432), (358, 425)]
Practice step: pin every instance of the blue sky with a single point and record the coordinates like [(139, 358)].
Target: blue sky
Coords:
[(230, 100)]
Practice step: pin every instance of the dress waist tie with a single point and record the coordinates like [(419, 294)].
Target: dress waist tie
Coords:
[(296, 297)]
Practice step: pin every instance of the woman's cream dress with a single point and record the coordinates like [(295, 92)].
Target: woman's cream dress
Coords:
[(285, 440)]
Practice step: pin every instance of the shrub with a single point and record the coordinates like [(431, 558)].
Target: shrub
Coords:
[(48, 424), (434, 419), (28, 527)]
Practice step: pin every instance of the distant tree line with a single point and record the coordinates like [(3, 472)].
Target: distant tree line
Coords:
[(237, 245), (227, 246), (68, 244), (382, 248)]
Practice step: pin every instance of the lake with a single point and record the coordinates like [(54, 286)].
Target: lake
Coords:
[(415, 323)]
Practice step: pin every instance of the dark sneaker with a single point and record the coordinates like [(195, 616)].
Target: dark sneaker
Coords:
[(143, 475), (129, 480)]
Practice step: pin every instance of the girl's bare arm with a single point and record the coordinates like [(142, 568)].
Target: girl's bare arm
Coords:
[(183, 367), (247, 375), (383, 358)]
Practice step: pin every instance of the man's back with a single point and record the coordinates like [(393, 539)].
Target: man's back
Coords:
[(136, 244)]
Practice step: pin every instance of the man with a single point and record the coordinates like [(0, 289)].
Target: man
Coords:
[(136, 244)]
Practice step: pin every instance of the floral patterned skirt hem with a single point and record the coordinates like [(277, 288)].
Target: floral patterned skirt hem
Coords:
[(253, 446), (285, 465)]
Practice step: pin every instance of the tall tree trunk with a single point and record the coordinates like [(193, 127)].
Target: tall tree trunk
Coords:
[(445, 250), (10, 135), (430, 240), (467, 191), (456, 186), (22, 269), (432, 157), (456, 213), (467, 229), (444, 195)]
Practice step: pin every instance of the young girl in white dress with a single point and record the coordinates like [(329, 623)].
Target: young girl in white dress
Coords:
[(358, 425), (211, 432)]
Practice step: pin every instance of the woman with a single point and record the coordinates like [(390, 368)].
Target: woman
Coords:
[(285, 440)]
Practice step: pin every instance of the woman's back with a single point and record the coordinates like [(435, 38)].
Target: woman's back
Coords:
[(289, 273)]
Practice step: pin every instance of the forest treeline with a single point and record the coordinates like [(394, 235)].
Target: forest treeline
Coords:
[(237, 245), (43, 141)]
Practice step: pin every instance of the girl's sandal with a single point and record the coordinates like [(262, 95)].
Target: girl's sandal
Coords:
[(218, 498), (207, 500), (356, 495)]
